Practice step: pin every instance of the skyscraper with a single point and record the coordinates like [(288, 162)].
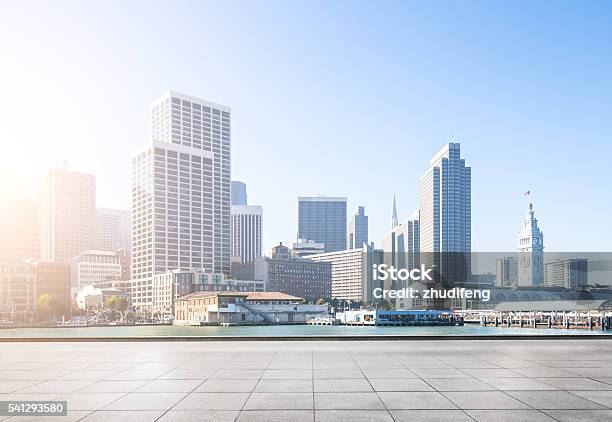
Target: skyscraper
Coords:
[(18, 229), (112, 229), (322, 219), (247, 226), (445, 214), (67, 214), (181, 192), (394, 221), (239, 193), (531, 251), (358, 229)]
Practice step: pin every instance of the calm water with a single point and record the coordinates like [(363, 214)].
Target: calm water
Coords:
[(280, 330)]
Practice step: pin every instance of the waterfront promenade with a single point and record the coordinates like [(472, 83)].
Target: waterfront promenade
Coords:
[(449, 380)]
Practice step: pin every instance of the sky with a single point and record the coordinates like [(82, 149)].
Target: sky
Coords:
[(344, 98)]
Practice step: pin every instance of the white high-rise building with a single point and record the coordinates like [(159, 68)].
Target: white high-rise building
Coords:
[(352, 274), (93, 267), (247, 227), (112, 229), (358, 229), (181, 193), (445, 214), (531, 251), (67, 214)]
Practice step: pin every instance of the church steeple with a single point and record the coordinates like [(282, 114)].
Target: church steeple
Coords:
[(394, 222)]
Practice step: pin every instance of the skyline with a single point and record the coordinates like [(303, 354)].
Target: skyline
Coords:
[(524, 115)]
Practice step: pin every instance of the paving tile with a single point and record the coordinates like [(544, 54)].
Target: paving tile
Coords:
[(145, 401), (415, 400), (543, 372), (517, 384), (256, 364), (287, 401), (396, 384), (493, 373), (553, 400), (56, 387), (581, 415), (458, 384), (347, 401), (245, 374), (430, 416), (12, 386), (169, 386), (353, 416), (87, 375), (338, 373), (226, 386), (212, 401), (484, 400), (341, 385), (514, 363), (122, 416), (199, 416), (472, 364), (88, 401), (305, 364), (276, 416), (601, 397), (441, 372), (71, 416), (509, 416), (576, 383), (604, 380), (112, 387), (335, 365), (588, 372), (287, 374), (284, 386), (388, 373), (188, 374)]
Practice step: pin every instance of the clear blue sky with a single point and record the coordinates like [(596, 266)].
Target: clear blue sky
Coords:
[(337, 97)]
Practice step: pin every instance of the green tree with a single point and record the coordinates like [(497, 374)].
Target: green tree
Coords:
[(49, 306), (118, 303)]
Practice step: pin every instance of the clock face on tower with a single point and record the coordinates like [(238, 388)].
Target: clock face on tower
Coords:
[(525, 261), (537, 259)]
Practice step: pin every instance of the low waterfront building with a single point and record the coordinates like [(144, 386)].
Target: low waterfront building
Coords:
[(89, 297), (568, 273), (170, 285), (399, 317), (213, 308)]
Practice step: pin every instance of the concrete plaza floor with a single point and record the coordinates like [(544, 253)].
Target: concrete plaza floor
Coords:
[(453, 380)]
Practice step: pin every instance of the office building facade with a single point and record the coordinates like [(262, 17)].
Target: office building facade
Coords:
[(247, 229), (445, 215), (358, 229), (91, 268), (239, 193), (112, 229), (67, 214), (352, 275), (322, 219), (506, 271), (181, 193), (18, 229), (572, 274)]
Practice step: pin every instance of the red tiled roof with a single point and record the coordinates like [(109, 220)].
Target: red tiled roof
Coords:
[(248, 295)]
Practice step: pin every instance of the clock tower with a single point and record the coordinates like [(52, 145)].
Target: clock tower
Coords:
[(531, 251)]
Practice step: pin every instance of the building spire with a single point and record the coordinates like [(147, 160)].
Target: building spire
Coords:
[(394, 215)]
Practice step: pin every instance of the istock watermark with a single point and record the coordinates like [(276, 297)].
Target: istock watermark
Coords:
[(456, 293)]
